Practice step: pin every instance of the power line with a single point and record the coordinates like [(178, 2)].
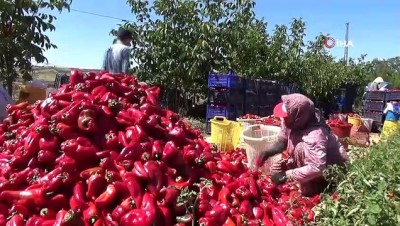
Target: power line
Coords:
[(99, 15)]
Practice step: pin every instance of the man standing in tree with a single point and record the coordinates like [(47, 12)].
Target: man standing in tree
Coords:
[(116, 59)]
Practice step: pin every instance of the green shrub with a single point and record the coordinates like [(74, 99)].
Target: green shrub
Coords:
[(369, 193)]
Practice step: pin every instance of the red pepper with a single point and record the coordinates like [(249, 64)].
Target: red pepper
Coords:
[(280, 219), (107, 197), (98, 92), (65, 131), (90, 214), (77, 200), (155, 177), (87, 121), (96, 184), (242, 192), (172, 156), (34, 196), (139, 170), (170, 195), (49, 143), (149, 206), (258, 213), (75, 77), (157, 149), (246, 208), (14, 107), (85, 174), (132, 152), (110, 141), (54, 184), (122, 139), (135, 189), (18, 178), (135, 217), (16, 220), (31, 144), (58, 202), (219, 213), (229, 222), (48, 214), (136, 134), (226, 167)]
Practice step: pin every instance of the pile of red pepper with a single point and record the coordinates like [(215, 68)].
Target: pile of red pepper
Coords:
[(338, 123), (101, 151), (272, 121), (250, 116)]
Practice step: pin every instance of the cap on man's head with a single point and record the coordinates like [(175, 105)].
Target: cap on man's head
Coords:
[(124, 34)]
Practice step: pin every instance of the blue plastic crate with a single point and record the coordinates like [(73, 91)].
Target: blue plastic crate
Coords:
[(225, 96), (230, 81), (254, 110), (227, 111), (266, 110), (269, 98), (251, 98)]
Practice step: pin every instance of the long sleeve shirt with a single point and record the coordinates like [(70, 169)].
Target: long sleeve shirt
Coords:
[(116, 59)]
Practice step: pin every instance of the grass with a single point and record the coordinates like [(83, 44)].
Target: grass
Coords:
[(369, 193)]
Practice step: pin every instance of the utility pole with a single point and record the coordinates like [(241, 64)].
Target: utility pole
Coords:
[(346, 48)]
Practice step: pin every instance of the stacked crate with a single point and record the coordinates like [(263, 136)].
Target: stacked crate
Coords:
[(375, 102), (261, 96), (225, 97)]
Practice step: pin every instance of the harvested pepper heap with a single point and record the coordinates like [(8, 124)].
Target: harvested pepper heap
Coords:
[(101, 152)]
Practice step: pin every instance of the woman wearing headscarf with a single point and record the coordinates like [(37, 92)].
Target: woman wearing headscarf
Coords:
[(309, 143)]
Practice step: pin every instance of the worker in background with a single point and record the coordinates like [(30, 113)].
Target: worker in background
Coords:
[(116, 59), (391, 124), (309, 143)]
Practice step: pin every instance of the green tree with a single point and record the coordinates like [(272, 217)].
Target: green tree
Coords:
[(22, 38)]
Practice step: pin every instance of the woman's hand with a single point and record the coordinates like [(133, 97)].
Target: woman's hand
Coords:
[(278, 166)]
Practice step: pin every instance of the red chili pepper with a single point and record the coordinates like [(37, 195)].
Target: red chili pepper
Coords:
[(107, 197), (31, 144), (118, 212), (54, 184), (246, 208), (34, 196), (280, 219), (96, 184), (65, 131), (98, 92), (110, 141), (136, 134), (149, 206), (48, 214), (242, 192), (219, 213), (155, 177), (87, 121), (258, 213), (16, 220), (77, 200), (135, 188), (90, 214), (139, 170), (170, 195), (132, 152), (229, 222), (172, 156), (226, 167), (135, 217)]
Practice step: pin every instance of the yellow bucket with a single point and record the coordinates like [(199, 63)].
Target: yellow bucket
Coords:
[(389, 129), (225, 134), (354, 120)]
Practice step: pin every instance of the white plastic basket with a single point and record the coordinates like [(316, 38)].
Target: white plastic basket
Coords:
[(257, 138), (249, 122)]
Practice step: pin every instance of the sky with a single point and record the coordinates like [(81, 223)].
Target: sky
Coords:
[(374, 27)]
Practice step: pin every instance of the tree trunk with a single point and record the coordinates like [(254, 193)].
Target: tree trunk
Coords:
[(9, 86)]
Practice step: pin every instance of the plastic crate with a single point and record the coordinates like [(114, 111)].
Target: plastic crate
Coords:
[(225, 81), (266, 110), (376, 116), (225, 134), (268, 98), (393, 95), (252, 109), (251, 98), (374, 105), (375, 95), (230, 111), (269, 86), (251, 85), (225, 96)]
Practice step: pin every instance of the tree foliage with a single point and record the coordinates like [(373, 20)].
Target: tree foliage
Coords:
[(388, 69), (179, 42), (22, 37)]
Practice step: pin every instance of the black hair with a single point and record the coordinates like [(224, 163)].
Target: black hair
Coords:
[(124, 34)]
